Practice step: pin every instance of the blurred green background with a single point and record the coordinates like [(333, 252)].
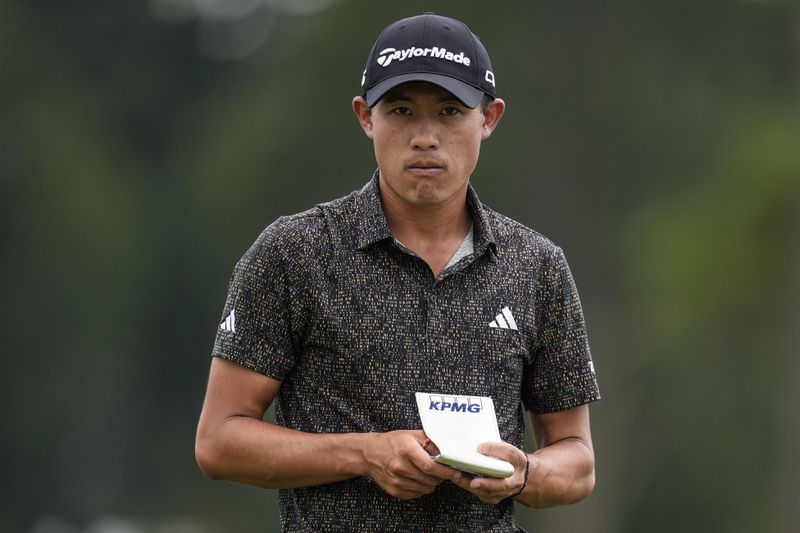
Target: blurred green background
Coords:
[(145, 145)]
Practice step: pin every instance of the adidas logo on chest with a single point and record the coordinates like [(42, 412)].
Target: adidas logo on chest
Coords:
[(504, 320)]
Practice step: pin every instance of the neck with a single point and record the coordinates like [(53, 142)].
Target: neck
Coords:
[(433, 232), (426, 222)]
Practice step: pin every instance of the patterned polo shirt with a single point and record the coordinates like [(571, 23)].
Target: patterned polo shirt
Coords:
[(353, 324)]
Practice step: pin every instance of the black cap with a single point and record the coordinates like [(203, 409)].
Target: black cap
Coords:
[(432, 48)]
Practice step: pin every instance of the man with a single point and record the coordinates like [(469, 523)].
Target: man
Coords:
[(410, 284)]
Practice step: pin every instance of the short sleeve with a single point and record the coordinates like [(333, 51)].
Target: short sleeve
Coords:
[(561, 374), (255, 327)]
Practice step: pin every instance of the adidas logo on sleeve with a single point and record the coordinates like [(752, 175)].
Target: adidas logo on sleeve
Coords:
[(229, 324)]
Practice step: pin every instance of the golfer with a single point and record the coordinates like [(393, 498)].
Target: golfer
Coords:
[(339, 314)]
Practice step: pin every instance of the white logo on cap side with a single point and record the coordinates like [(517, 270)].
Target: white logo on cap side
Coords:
[(387, 55), (490, 77)]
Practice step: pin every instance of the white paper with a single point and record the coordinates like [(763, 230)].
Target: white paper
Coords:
[(456, 425)]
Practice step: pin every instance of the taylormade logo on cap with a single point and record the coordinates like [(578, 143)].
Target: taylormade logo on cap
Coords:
[(386, 56)]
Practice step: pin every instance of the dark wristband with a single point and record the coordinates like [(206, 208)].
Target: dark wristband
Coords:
[(525, 480)]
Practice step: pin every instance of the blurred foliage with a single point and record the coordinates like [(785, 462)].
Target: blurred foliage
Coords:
[(734, 220), (145, 145)]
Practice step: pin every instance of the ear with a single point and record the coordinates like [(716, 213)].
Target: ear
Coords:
[(363, 114), (491, 117)]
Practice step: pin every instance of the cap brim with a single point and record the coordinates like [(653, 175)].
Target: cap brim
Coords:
[(470, 96)]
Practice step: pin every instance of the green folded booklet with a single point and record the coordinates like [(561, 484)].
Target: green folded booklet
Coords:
[(456, 425)]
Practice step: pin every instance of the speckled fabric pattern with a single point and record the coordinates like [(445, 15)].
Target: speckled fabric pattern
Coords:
[(353, 323)]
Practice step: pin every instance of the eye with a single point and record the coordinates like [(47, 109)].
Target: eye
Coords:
[(451, 111), (402, 111)]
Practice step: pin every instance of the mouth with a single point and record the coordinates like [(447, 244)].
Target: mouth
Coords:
[(425, 168)]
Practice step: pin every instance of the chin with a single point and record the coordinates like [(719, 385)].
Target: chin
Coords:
[(427, 196)]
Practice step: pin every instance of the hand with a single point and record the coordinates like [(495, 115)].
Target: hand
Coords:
[(402, 468), (494, 490)]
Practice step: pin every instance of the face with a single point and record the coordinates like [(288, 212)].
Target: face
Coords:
[(426, 142)]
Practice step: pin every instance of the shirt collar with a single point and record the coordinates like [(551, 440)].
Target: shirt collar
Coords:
[(372, 224), (482, 230), (373, 227)]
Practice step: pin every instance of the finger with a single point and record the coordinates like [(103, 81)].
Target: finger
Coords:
[(477, 487), (487, 489), (489, 485), (462, 479), (428, 467), (401, 477), (411, 486), (490, 490), (482, 486), (504, 451), (425, 475), (406, 489), (430, 447)]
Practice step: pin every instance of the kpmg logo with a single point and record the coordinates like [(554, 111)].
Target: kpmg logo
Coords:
[(456, 404), (388, 55)]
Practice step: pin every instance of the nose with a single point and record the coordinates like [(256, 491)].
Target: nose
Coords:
[(425, 135)]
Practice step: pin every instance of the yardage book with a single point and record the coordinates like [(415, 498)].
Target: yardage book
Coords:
[(456, 425)]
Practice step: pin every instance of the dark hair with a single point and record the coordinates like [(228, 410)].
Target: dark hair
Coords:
[(485, 101)]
